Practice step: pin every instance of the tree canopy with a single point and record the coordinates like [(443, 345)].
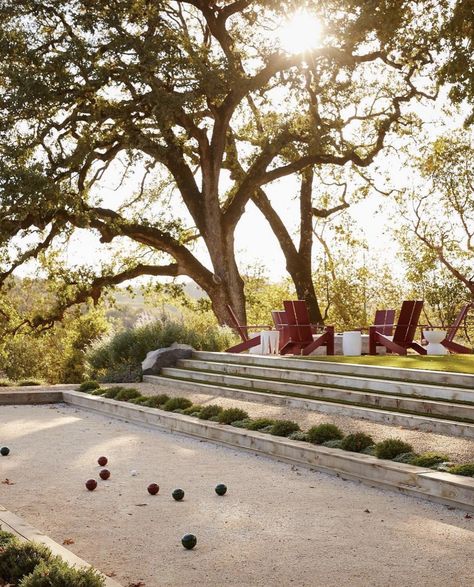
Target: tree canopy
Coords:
[(199, 95)]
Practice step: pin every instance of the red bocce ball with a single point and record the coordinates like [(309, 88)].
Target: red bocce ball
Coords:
[(104, 474), (91, 484), (102, 461), (153, 488)]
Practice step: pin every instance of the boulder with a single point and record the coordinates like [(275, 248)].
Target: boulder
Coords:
[(167, 357)]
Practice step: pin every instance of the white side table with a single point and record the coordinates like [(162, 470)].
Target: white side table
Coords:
[(269, 340), (434, 338), (352, 343)]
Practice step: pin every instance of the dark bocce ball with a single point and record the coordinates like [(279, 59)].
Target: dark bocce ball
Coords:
[(189, 541), (178, 494), (221, 489)]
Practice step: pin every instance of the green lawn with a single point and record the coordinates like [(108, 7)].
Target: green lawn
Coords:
[(454, 363)]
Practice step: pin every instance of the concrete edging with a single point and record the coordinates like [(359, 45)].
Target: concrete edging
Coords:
[(16, 525), (432, 485)]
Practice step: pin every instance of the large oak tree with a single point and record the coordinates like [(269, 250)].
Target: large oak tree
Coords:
[(202, 93)]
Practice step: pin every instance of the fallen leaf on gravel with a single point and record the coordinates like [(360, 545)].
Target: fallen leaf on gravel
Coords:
[(68, 541), (366, 511), (468, 516), (8, 482), (139, 584), (111, 574), (139, 505)]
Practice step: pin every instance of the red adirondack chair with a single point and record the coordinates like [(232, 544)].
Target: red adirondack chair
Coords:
[(297, 334), (448, 342), (384, 320), (404, 331), (247, 341)]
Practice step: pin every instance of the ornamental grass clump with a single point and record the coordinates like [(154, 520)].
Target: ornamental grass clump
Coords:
[(156, 401), (89, 385), (241, 423), (429, 459), (232, 415), (29, 382), (332, 443), (392, 447), (284, 428), (6, 538), (57, 573), (139, 400), (21, 558), (406, 458), (299, 435), (466, 470), (127, 394), (210, 411), (357, 442), (323, 433), (260, 423), (112, 392), (194, 409), (177, 403)]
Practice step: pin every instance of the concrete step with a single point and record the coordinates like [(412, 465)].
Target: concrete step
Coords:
[(393, 418), (393, 373), (391, 402), (295, 375)]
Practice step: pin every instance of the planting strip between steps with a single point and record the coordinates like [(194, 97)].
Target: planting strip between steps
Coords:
[(445, 488), (10, 522), (333, 380), (436, 425), (414, 405)]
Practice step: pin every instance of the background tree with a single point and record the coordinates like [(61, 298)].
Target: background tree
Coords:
[(188, 88), (439, 213)]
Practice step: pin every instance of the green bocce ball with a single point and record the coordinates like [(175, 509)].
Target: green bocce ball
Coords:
[(4, 451), (189, 541), (178, 494), (221, 489)]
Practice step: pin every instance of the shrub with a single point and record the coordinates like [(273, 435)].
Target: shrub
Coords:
[(118, 357), (266, 429), (138, 401), (28, 382), (332, 443), (467, 470), (208, 412), (6, 538), (177, 403), (100, 391), (59, 574), (194, 409), (356, 442), (260, 423), (284, 428), (127, 394), (214, 419), (241, 423), (390, 448), (429, 459), (195, 414), (20, 559), (231, 415), (156, 401), (323, 433), (405, 457), (370, 450), (298, 436), (111, 392), (89, 385)]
